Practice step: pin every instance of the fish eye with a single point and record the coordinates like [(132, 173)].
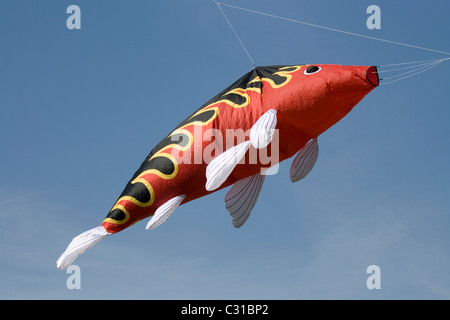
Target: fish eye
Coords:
[(312, 69)]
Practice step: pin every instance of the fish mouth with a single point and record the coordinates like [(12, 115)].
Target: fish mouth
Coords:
[(372, 76)]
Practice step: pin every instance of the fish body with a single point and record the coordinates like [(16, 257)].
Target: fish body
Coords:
[(290, 105)]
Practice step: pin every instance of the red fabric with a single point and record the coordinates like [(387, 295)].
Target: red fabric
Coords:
[(306, 105)]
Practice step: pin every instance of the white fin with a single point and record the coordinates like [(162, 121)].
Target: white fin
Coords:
[(304, 161), (219, 169), (262, 132), (242, 197), (164, 212), (79, 245)]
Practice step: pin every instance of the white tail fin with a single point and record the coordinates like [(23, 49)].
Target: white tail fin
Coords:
[(79, 245)]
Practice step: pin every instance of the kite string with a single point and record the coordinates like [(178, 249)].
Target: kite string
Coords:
[(410, 75), (414, 62), (406, 68), (419, 67), (409, 67), (322, 27), (235, 33), (412, 65)]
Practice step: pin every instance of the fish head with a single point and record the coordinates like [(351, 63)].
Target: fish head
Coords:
[(318, 96)]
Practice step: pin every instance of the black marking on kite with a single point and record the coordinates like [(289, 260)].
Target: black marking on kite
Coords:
[(273, 73), (201, 117), (116, 214)]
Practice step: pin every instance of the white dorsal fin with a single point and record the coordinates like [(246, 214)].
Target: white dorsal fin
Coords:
[(262, 132), (164, 212), (242, 197), (79, 245), (219, 169), (304, 161)]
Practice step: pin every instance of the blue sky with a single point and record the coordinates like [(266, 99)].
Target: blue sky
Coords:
[(82, 108)]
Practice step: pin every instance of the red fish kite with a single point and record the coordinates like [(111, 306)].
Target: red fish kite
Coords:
[(278, 110)]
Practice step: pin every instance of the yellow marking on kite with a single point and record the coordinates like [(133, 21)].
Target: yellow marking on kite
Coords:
[(156, 171), (282, 73), (216, 112), (120, 207)]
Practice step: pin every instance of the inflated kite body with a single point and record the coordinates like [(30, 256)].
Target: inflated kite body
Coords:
[(265, 117)]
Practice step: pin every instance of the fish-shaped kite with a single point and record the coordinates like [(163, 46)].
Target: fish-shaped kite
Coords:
[(265, 117)]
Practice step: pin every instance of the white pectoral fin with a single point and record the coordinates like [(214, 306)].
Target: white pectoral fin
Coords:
[(164, 212), (304, 161), (242, 197), (79, 245), (220, 168), (262, 131)]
